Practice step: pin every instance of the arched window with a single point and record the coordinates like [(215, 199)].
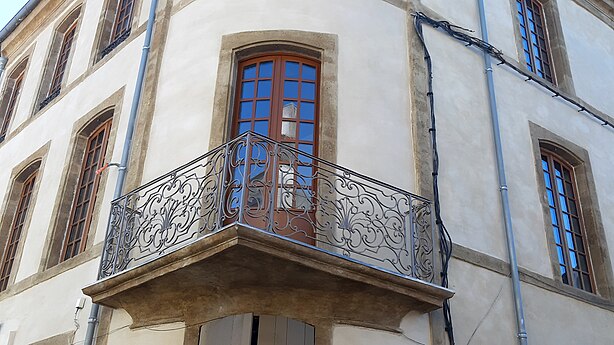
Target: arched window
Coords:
[(23, 189), (59, 59), (116, 25), (566, 221), (85, 196), (10, 96)]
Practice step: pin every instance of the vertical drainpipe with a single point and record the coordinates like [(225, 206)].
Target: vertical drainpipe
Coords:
[(518, 306), (121, 175)]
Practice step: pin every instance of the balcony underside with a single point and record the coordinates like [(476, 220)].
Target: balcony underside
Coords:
[(242, 270)]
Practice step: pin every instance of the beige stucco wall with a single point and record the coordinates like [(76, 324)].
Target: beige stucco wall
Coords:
[(372, 79), (48, 308), (374, 138), (590, 47)]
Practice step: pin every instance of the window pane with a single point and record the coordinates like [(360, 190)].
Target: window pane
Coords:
[(291, 89), (263, 108), (245, 110), (306, 131), (249, 72), (557, 234), (264, 89), (244, 127), (308, 91), (266, 69), (306, 148), (288, 130), (569, 239), (292, 69), (564, 274), (289, 110), (307, 111), (247, 90), (303, 198), (309, 72), (586, 280), (262, 127)]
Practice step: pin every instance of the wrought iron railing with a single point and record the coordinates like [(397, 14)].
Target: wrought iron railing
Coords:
[(255, 181)]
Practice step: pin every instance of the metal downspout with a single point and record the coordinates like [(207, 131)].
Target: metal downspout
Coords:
[(121, 175), (518, 306), (11, 25)]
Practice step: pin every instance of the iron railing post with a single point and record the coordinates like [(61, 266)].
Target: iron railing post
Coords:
[(244, 188), (274, 186), (226, 164)]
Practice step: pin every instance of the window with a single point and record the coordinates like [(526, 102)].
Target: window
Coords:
[(59, 59), (116, 25), (10, 97), (566, 222), (17, 226), (85, 196), (534, 38)]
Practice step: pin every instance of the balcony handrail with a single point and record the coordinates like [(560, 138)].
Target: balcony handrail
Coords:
[(265, 138), (258, 182)]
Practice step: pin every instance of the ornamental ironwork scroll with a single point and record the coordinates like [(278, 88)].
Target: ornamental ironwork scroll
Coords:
[(266, 185)]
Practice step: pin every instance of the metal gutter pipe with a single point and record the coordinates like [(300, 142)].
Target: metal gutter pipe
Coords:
[(11, 25), (121, 175), (507, 216)]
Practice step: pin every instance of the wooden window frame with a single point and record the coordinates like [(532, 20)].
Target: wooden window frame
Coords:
[(578, 236), (75, 240), (115, 26), (123, 18), (288, 194), (535, 7), (58, 59), (16, 230), (11, 105), (60, 66)]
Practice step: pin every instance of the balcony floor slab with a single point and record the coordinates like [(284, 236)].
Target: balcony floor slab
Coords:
[(242, 270)]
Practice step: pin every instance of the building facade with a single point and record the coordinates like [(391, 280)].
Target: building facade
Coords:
[(276, 172)]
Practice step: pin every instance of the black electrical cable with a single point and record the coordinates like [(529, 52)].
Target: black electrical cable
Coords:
[(456, 32), (445, 241)]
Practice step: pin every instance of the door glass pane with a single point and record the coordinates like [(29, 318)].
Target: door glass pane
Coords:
[(261, 127), (288, 129), (249, 72), (289, 111), (306, 131), (291, 89), (309, 73), (308, 91), (247, 90), (263, 108), (264, 88), (307, 111), (266, 69), (292, 69)]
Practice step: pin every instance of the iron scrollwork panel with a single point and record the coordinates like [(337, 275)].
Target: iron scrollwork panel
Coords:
[(255, 181)]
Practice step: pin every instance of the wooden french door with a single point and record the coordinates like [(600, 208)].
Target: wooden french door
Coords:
[(277, 96)]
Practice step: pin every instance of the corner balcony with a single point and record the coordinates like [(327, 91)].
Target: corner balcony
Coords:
[(256, 226)]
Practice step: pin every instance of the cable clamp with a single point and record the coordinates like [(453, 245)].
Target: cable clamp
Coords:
[(489, 69), (504, 187), (104, 167)]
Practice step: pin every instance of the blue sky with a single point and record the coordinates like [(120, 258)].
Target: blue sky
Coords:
[(8, 8)]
